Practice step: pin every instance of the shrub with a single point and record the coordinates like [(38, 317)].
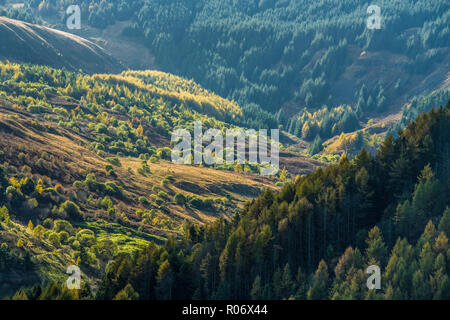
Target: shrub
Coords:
[(59, 188), (32, 203), (39, 231), (4, 214), (139, 213), (201, 203), (112, 173), (86, 237), (63, 225), (53, 238), (10, 191), (153, 197), (114, 161), (196, 202), (170, 177), (48, 223), (112, 189), (180, 199), (91, 183), (27, 186), (106, 203), (127, 293), (145, 168), (19, 243), (76, 244), (37, 109), (101, 128), (78, 184), (71, 209), (165, 183), (164, 153), (143, 200), (112, 212), (163, 195), (63, 237), (208, 202), (154, 159)]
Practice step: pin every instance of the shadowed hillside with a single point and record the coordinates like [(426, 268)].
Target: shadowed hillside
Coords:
[(27, 43)]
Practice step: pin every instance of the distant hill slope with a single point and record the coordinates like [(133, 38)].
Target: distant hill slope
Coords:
[(28, 43), (276, 57), (285, 54)]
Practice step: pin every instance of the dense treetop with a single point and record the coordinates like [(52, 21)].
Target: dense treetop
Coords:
[(256, 51), (315, 238), (269, 54)]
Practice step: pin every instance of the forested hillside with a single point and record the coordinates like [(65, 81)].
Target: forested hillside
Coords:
[(312, 67), (315, 238), (86, 168), (86, 176), (312, 240)]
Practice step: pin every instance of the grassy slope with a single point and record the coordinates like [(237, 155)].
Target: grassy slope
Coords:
[(52, 261), (25, 137), (18, 133), (25, 42)]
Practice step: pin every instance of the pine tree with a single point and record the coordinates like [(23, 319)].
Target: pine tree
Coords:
[(164, 280), (441, 244), (286, 282), (316, 146), (427, 200), (277, 284), (20, 295), (426, 260), (257, 290), (30, 226), (140, 130), (301, 285), (319, 287), (376, 251), (127, 293), (19, 243), (444, 224), (420, 288)]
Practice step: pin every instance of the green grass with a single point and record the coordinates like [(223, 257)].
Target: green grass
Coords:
[(125, 238)]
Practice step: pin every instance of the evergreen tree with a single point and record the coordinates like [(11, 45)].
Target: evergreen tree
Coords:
[(257, 289), (376, 251), (319, 287), (164, 280)]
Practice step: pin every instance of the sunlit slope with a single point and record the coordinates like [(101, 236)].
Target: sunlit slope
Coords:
[(91, 154), (178, 90), (117, 129)]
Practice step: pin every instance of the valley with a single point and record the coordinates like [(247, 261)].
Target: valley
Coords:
[(87, 124)]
